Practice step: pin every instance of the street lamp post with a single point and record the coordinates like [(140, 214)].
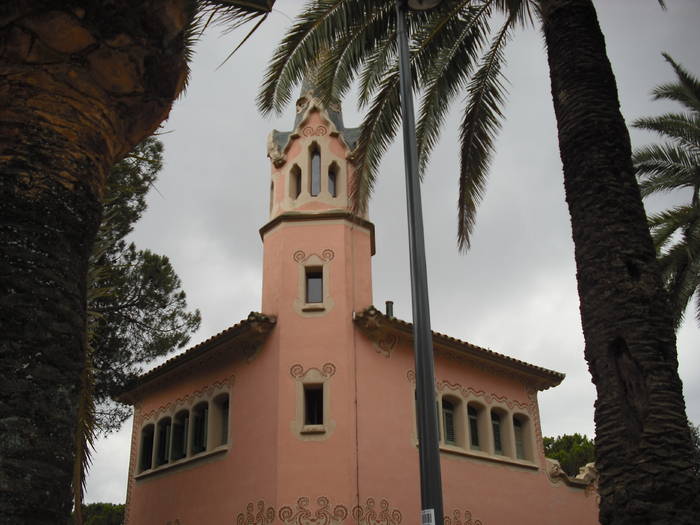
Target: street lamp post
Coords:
[(428, 440)]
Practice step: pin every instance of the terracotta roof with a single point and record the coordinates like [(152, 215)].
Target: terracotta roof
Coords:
[(372, 320), (252, 329)]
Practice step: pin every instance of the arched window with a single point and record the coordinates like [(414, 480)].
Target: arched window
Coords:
[(220, 420), (180, 431), (295, 182), (146, 459), (448, 420), (164, 436), (333, 179), (497, 438), (315, 153), (473, 415), (200, 421)]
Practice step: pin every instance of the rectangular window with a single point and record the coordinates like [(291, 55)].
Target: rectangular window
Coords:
[(147, 448), (474, 428), (180, 427), (496, 425), (313, 404), (199, 431), (164, 429), (314, 285), (449, 422), (519, 439)]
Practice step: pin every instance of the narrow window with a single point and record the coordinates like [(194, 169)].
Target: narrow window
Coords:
[(313, 404), (448, 420), (496, 425), (315, 170), (272, 194), (147, 435), (180, 429), (220, 422), (314, 285), (199, 431), (294, 182), (164, 434), (473, 414), (520, 430), (333, 179)]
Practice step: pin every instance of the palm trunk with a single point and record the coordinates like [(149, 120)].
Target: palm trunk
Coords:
[(643, 446), (79, 87)]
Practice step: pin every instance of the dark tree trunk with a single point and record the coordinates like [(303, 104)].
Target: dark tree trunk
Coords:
[(80, 85), (643, 446)]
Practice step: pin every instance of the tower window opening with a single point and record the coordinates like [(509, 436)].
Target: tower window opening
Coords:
[(315, 170), (314, 285), (313, 404), (333, 179), (272, 194), (295, 182)]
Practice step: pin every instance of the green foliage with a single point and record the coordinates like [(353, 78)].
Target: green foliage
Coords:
[(137, 308), (675, 165), (573, 451), (454, 52), (102, 514)]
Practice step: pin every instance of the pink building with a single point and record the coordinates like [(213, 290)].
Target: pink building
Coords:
[(304, 414)]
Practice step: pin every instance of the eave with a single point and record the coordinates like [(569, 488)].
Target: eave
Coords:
[(377, 325), (243, 339)]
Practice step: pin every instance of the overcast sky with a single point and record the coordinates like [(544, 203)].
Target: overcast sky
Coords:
[(514, 292)]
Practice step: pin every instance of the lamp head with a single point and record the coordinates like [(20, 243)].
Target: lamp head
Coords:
[(423, 5)]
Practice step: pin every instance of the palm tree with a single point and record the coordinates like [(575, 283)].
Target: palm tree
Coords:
[(643, 447), (671, 166), (81, 83)]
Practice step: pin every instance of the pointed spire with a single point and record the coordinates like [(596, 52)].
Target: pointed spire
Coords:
[(310, 89)]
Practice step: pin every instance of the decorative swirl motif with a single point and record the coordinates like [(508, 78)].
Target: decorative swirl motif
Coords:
[(456, 519), (318, 131), (322, 516), (297, 371), (387, 344), (328, 369), (326, 255), (263, 516), (368, 515)]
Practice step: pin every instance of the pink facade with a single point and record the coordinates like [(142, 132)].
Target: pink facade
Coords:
[(304, 414)]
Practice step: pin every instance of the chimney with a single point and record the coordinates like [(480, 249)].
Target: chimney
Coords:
[(390, 308)]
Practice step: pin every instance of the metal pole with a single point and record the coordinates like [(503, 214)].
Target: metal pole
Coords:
[(428, 440)]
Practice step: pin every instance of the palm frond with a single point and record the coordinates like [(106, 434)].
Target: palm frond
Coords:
[(378, 129), (348, 53), (664, 167), (665, 224), (321, 23), (447, 73), (480, 124), (686, 90), (683, 128), (375, 67)]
